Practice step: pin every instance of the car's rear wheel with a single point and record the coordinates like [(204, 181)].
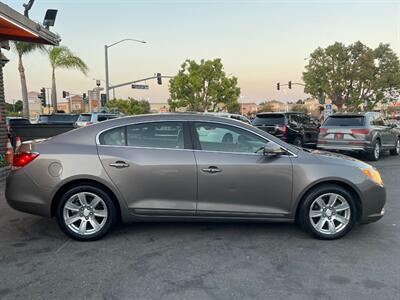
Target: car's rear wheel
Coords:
[(396, 149), (375, 153), (328, 212), (86, 213), (298, 141)]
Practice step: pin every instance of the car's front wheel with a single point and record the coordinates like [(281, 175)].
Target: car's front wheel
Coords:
[(328, 212), (86, 213)]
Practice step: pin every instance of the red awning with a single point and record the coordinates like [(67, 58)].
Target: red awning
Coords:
[(16, 27)]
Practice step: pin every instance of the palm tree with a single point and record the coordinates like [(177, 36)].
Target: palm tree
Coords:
[(62, 57), (24, 48)]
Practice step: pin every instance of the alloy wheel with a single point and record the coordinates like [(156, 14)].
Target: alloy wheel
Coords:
[(377, 150), (330, 213), (85, 213)]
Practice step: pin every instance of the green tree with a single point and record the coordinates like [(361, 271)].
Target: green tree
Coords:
[(300, 108), (14, 109), (130, 106), (22, 49), (266, 107), (202, 86), (62, 58), (353, 75)]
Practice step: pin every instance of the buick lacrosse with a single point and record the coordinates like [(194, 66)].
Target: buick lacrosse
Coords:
[(189, 167)]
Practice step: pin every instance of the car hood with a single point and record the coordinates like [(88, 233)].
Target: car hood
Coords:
[(336, 158)]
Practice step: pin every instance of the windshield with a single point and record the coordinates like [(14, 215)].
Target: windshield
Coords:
[(345, 121), (269, 119)]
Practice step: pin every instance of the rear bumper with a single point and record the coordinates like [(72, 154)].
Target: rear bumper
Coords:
[(24, 195), (365, 147)]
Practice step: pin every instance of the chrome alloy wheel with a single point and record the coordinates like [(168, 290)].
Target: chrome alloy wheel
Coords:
[(85, 213), (329, 213)]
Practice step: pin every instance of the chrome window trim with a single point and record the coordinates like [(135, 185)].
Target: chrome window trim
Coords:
[(194, 150)]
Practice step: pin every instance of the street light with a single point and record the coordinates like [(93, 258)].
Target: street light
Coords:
[(106, 62)]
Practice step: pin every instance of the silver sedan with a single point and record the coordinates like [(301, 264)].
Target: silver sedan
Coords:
[(189, 167)]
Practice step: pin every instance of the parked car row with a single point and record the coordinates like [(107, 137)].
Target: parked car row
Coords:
[(368, 133)]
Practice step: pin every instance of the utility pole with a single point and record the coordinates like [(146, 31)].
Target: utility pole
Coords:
[(106, 63)]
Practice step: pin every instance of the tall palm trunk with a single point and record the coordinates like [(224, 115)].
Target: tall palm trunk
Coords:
[(54, 91), (24, 89)]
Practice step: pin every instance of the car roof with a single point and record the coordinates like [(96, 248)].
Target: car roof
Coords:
[(351, 114), (280, 113)]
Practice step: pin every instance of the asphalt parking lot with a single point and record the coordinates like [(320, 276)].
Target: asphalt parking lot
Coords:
[(203, 260)]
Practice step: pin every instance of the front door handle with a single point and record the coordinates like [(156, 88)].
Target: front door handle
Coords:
[(212, 170), (119, 164)]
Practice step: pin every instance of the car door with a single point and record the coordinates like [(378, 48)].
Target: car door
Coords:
[(152, 166), (234, 178)]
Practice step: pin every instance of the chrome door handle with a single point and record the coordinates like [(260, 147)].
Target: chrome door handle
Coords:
[(119, 164), (212, 170)]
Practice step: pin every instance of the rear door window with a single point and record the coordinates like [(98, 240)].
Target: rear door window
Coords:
[(113, 137), (269, 119), (165, 135), (351, 121)]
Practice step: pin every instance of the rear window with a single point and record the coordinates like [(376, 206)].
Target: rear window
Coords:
[(19, 122), (345, 121), (269, 119), (62, 118), (84, 118)]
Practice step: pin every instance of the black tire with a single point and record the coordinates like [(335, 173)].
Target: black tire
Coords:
[(304, 219), (373, 155), (109, 223), (298, 141), (396, 149)]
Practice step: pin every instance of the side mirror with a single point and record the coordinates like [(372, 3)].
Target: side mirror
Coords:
[(272, 149)]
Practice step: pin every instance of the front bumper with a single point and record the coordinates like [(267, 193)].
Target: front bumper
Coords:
[(373, 202), (24, 195)]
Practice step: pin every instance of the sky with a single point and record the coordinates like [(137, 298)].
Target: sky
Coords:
[(260, 42)]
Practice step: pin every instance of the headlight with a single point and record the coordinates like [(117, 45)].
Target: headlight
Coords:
[(374, 175)]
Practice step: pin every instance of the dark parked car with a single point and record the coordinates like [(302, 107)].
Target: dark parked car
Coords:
[(292, 127), (368, 133), (189, 167), (58, 118)]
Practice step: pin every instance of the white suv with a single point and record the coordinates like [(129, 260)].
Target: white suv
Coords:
[(86, 119)]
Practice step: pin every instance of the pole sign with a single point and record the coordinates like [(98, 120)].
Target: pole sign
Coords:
[(328, 110), (140, 86)]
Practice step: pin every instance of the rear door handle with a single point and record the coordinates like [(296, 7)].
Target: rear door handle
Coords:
[(212, 170), (119, 164)]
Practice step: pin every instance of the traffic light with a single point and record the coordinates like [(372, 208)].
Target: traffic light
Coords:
[(290, 84), (159, 79), (278, 86), (84, 96), (103, 100), (65, 94), (42, 96)]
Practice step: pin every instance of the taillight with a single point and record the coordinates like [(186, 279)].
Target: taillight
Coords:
[(360, 131), (88, 123), (282, 128), (323, 130), (23, 158)]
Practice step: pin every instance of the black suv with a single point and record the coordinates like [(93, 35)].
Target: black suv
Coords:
[(293, 127)]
